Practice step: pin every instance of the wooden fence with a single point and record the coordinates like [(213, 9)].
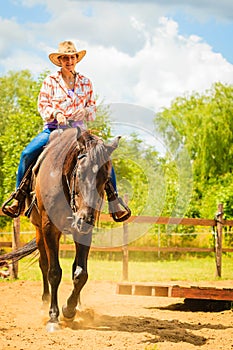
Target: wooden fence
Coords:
[(218, 223)]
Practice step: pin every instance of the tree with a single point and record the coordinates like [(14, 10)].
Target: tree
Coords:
[(19, 122), (101, 125), (139, 170), (203, 125)]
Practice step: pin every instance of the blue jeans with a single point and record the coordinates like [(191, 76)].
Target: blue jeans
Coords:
[(32, 151)]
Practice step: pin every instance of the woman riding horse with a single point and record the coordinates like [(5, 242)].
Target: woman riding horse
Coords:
[(66, 97), (69, 181)]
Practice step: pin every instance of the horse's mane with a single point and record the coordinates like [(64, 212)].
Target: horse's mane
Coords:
[(65, 148)]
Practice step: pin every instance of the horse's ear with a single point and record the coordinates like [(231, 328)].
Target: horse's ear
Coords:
[(113, 145), (79, 133), (79, 136)]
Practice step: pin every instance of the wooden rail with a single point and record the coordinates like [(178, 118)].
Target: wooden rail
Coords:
[(175, 291), (160, 220), (71, 247), (218, 223)]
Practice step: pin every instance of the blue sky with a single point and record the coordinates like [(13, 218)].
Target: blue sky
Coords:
[(140, 52), (24, 14), (141, 55), (217, 33)]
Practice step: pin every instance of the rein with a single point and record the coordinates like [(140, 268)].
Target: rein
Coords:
[(73, 181)]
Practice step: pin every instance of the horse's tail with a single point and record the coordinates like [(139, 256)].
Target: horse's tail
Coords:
[(20, 253)]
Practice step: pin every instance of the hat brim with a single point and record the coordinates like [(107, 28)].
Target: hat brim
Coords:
[(54, 57)]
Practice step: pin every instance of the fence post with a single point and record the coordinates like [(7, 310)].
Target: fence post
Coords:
[(159, 241), (15, 244), (218, 241), (125, 250)]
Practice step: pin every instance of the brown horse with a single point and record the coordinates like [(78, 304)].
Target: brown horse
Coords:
[(68, 189)]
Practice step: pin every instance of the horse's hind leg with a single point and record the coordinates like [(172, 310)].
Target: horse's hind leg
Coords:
[(43, 263), (51, 240), (80, 277)]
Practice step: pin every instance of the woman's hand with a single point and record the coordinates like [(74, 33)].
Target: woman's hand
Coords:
[(80, 114), (61, 119)]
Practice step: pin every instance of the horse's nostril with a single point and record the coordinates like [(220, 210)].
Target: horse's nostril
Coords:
[(83, 223), (92, 220)]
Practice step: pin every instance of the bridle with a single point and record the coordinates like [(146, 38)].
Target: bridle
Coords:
[(73, 193), (72, 182)]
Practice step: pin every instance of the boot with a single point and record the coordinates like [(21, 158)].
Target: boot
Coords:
[(115, 209), (19, 196), (118, 210), (15, 209), (18, 205)]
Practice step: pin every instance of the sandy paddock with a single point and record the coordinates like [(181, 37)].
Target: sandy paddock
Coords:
[(109, 321)]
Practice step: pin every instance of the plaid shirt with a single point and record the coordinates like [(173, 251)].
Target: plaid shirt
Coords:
[(54, 96)]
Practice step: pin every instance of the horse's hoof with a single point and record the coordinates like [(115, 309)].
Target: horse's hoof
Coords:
[(68, 314), (53, 327)]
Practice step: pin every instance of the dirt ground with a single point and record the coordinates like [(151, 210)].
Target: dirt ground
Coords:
[(109, 321)]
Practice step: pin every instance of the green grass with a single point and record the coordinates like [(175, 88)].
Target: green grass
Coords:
[(189, 269), (152, 347)]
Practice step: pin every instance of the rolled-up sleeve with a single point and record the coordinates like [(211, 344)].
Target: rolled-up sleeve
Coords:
[(84, 96), (91, 105), (45, 106)]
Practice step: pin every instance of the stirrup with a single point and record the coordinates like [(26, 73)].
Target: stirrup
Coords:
[(124, 217), (9, 213), (112, 196), (20, 194)]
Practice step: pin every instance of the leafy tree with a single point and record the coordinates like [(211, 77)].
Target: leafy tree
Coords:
[(139, 175), (203, 125), (101, 125), (19, 120)]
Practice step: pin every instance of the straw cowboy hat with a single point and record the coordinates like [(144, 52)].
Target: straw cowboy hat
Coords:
[(66, 48)]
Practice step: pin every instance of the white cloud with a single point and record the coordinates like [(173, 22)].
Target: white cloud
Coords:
[(167, 66), (134, 53), (11, 34)]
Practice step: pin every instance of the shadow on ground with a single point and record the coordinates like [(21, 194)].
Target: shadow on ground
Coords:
[(204, 305), (160, 330)]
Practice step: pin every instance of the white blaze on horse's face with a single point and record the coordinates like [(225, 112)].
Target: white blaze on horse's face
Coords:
[(95, 168)]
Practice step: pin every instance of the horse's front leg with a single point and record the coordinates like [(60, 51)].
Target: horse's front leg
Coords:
[(80, 276)]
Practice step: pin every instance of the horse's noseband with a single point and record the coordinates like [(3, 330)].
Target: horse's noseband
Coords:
[(83, 224)]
